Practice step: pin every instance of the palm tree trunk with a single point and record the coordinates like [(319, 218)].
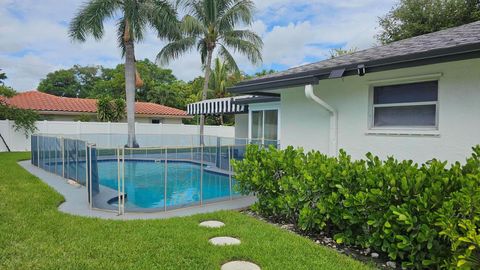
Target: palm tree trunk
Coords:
[(130, 91), (204, 92)]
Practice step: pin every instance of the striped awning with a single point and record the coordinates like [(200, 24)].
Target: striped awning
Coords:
[(216, 106)]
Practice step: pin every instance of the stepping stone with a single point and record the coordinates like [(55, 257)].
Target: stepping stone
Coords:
[(212, 224), (240, 265), (224, 241)]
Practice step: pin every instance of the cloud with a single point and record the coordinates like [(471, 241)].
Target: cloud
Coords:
[(34, 38)]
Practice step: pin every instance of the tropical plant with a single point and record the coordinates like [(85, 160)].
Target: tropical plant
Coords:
[(135, 17), (212, 24), (110, 110), (425, 216), (222, 76), (411, 18)]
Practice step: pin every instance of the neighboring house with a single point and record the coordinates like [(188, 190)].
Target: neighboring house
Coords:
[(417, 99), (56, 108)]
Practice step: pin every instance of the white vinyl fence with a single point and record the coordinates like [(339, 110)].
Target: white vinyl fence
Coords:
[(17, 141)]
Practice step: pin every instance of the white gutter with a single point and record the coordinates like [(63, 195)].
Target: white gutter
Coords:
[(333, 145)]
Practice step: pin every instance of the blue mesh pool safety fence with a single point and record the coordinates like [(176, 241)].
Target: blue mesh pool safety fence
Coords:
[(179, 173)]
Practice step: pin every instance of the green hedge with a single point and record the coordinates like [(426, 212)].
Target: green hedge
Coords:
[(426, 216)]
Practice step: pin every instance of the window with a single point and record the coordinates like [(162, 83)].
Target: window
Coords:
[(156, 121), (413, 105)]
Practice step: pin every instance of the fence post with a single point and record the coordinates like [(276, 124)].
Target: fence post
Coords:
[(87, 185), (201, 174), (63, 156), (119, 201), (90, 175), (38, 151), (123, 181), (165, 181), (230, 171)]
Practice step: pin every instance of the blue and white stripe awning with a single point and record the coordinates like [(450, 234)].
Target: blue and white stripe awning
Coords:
[(216, 106)]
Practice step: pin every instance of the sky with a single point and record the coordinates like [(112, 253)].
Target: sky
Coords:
[(34, 37)]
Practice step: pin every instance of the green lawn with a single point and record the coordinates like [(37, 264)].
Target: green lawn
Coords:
[(35, 235)]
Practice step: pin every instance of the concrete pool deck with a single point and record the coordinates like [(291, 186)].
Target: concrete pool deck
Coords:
[(76, 200)]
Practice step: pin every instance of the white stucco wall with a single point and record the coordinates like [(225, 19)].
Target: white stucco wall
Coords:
[(138, 119), (305, 124)]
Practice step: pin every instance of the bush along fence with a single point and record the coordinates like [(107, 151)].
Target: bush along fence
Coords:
[(424, 216)]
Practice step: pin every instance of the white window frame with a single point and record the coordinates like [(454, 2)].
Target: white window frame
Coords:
[(404, 130), (262, 107)]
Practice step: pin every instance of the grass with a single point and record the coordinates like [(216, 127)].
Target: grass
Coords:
[(35, 235)]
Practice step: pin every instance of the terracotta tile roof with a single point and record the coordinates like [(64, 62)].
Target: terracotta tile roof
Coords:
[(38, 101)]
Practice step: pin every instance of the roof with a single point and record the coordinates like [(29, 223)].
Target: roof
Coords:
[(38, 101), (462, 42)]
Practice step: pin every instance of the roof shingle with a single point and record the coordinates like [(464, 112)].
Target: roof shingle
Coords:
[(465, 35)]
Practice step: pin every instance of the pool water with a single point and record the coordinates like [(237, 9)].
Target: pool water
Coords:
[(145, 183)]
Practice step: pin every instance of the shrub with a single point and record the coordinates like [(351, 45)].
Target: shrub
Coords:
[(401, 208), (110, 110)]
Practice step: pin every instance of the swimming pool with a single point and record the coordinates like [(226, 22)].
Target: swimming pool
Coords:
[(145, 182)]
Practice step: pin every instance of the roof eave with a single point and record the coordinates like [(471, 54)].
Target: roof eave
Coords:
[(465, 52)]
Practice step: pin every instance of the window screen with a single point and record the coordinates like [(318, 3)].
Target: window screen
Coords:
[(406, 105)]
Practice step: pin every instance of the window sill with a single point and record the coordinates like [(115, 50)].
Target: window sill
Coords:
[(404, 132)]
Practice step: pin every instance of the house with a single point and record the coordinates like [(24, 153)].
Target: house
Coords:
[(56, 108), (418, 99)]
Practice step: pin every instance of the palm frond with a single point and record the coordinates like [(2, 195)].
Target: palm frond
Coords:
[(193, 27), (120, 35), (174, 49), (247, 48), (246, 35), (240, 12), (228, 58), (162, 16), (202, 49), (89, 19), (195, 9)]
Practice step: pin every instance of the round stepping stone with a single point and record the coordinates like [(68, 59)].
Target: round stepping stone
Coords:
[(224, 241), (212, 224), (240, 265)]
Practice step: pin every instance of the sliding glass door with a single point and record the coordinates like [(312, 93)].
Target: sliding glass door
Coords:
[(264, 127)]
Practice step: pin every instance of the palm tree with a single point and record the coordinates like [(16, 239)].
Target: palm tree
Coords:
[(133, 19), (211, 24), (222, 77)]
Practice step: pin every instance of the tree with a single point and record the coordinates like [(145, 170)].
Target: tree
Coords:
[(339, 52), (3, 77), (261, 73), (412, 18), (135, 17), (77, 81), (60, 83), (211, 24)]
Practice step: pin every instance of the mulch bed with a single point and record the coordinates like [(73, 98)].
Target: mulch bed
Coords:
[(365, 255)]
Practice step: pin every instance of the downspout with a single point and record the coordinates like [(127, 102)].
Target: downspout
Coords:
[(333, 137)]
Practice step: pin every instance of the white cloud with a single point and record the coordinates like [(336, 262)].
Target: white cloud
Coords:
[(34, 39)]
